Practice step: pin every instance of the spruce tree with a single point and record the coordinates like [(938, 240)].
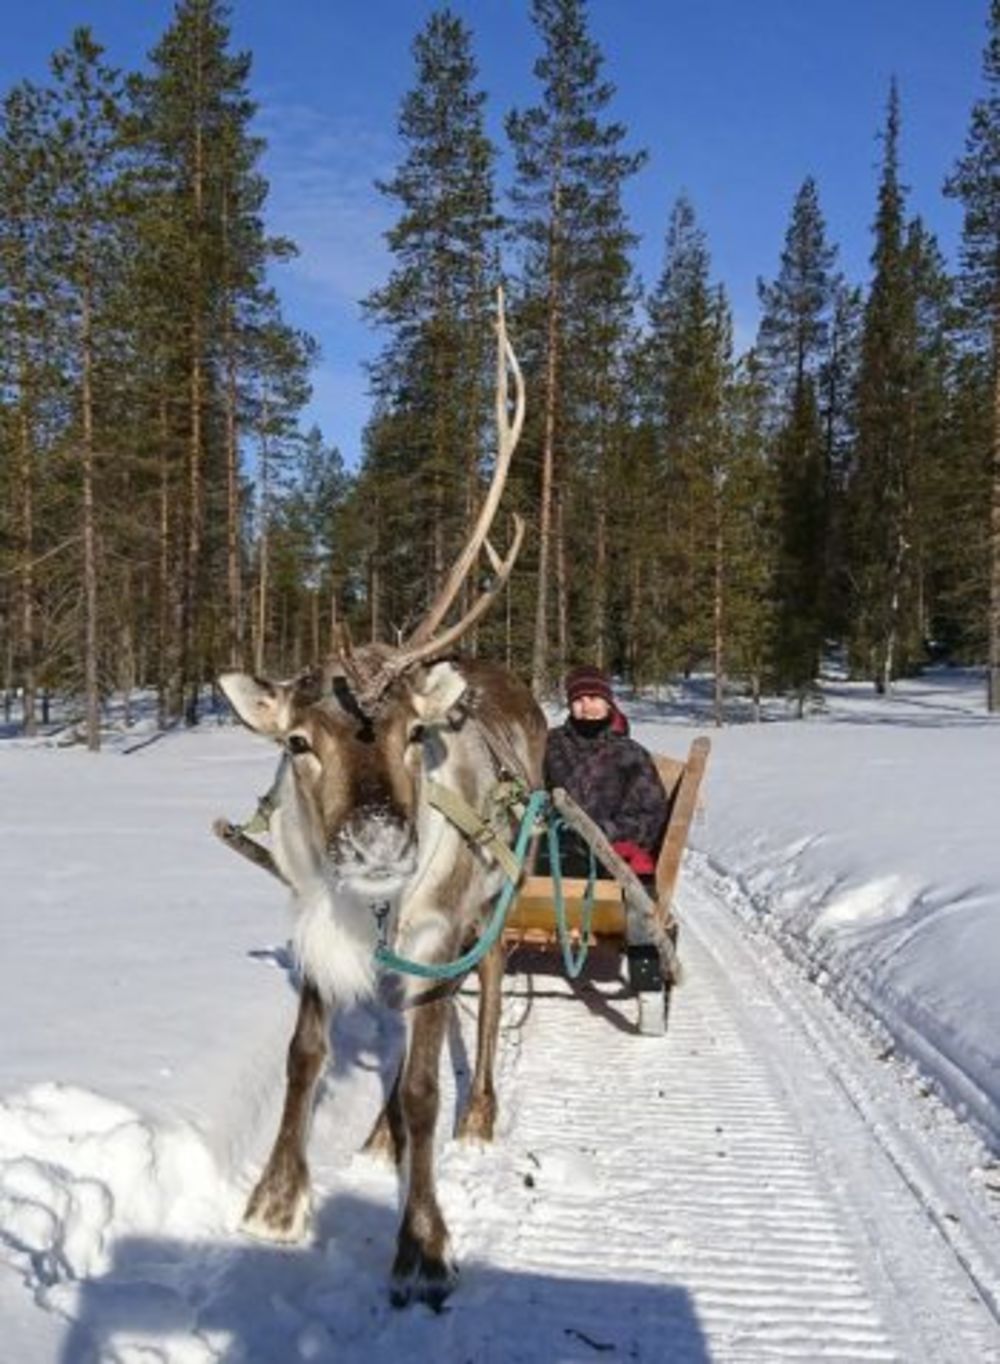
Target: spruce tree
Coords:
[(751, 559), (976, 181), (881, 484), (689, 374), (936, 460), (800, 535), (837, 391), (792, 348), (794, 327)]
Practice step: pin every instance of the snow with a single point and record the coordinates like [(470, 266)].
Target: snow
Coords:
[(867, 837), (839, 1025)]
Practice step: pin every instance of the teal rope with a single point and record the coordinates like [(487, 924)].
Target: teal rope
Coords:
[(574, 964), (448, 970)]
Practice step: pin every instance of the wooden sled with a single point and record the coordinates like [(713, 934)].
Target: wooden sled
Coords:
[(532, 919)]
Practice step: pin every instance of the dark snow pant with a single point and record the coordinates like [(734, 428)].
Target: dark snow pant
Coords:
[(640, 952)]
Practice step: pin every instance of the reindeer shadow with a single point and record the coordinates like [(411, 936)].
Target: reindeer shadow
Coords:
[(243, 1303)]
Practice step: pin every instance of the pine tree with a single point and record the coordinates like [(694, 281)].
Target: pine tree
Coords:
[(280, 389), (433, 380), (976, 182), (203, 237), (25, 345), (574, 242), (86, 150)]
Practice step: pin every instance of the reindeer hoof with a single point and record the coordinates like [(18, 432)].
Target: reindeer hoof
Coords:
[(420, 1275), (279, 1213), (476, 1123), (431, 1284)]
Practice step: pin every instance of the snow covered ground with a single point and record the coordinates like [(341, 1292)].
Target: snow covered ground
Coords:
[(804, 1168)]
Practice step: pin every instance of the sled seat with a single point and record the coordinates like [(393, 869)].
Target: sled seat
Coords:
[(532, 920)]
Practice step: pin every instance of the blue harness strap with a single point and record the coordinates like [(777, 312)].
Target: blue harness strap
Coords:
[(448, 970), (573, 964)]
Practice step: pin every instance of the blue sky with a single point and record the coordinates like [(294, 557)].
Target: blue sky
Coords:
[(736, 101)]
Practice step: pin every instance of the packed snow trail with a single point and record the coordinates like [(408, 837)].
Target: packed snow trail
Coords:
[(752, 1187)]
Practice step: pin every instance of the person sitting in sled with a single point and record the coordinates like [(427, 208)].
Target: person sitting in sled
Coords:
[(608, 774)]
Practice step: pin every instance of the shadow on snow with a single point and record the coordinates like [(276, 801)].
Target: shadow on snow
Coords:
[(250, 1303)]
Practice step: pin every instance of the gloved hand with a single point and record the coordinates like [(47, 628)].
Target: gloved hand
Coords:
[(641, 862)]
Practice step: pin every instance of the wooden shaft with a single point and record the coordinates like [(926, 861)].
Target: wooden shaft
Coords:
[(657, 917), (234, 837)]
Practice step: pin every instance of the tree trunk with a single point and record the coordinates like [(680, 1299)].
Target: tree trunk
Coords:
[(189, 664), (632, 646), (233, 575), (334, 615), (562, 587), (263, 555), (540, 651), (27, 574), (993, 625), (718, 615), (164, 612), (601, 587), (90, 667)]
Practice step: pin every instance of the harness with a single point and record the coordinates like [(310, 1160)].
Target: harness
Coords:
[(509, 798)]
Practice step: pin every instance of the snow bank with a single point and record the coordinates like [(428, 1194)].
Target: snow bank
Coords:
[(865, 838), (77, 1170)]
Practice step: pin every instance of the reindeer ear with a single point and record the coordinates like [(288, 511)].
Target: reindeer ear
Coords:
[(436, 690), (261, 705)]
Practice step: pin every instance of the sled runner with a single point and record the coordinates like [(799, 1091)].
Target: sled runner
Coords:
[(606, 910)]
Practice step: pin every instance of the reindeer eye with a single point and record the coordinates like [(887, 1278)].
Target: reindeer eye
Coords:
[(298, 743)]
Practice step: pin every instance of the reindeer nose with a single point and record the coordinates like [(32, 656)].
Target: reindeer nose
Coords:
[(374, 839)]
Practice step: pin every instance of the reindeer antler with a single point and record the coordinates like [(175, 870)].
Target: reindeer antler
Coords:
[(508, 435), (423, 643)]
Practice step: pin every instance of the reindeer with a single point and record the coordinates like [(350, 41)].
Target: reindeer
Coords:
[(356, 835)]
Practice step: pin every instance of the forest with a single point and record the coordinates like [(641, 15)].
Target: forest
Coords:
[(166, 513)]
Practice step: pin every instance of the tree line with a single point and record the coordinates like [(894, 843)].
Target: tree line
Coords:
[(163, 515)]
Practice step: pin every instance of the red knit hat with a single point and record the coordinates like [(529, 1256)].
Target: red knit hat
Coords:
[(588, 681)]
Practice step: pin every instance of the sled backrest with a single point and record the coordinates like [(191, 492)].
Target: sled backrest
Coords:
[(682, 781)]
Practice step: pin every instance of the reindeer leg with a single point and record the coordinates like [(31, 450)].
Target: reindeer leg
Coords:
[(422, 1268), (388, 1136), (278, 1208), (476, 1123)]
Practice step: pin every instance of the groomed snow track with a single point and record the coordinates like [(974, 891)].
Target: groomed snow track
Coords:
[(756, 1186)]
